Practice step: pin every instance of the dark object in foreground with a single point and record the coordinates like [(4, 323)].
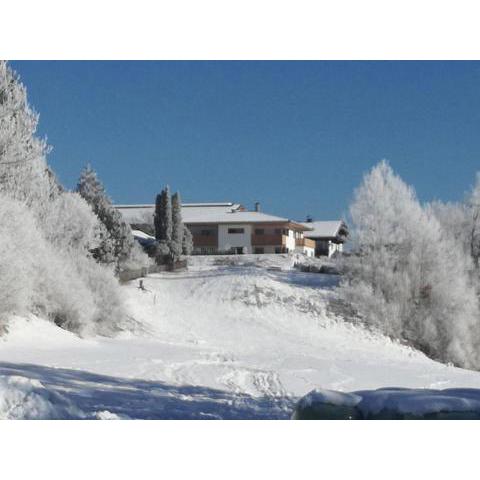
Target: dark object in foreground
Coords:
[(390, 404)]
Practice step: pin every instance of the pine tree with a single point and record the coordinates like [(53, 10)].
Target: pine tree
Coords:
[(176, 243), (187, 241), (163, 216), (116, 241), (163, 224)]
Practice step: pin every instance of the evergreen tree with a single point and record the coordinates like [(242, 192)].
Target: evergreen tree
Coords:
[(176, 243), (163, 224), (163, 216), (187, 241), (116, 240)]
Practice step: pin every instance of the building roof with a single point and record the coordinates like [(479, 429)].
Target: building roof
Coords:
[(326, 229), (204, 213), (237, 217), (138, 214)]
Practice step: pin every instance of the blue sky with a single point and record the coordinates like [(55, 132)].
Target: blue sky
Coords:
[(296, 136)]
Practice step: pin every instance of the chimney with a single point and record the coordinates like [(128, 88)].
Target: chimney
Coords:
[(257, 206), (309, 219)]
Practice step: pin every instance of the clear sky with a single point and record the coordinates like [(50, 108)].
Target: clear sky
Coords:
[(296, 136)]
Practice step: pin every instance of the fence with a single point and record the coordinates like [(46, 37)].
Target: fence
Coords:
[(127, 275)]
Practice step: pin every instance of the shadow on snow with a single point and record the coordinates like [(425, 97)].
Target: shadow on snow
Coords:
[(141, 399)]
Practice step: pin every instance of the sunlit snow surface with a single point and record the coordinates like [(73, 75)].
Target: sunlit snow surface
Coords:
[(218, 341)]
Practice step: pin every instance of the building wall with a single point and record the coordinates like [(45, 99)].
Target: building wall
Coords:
[(226, 240), (327, 248), (291, 241)]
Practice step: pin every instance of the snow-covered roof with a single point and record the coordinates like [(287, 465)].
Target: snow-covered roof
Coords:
[(138, 214), (200, 213), (325, 229), (231, 217), (142, 235)]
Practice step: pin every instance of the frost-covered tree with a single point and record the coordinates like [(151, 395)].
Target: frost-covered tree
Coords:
[(117, 238), (406, 276), (24, 173), (472, 209), (163, 224), (187, 242), (462, 222), (178, 230)]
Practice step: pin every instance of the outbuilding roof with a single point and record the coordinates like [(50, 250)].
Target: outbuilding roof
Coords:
[(326, 229)]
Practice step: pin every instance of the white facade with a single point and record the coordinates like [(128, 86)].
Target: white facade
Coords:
[(228, 240), (290, 241)]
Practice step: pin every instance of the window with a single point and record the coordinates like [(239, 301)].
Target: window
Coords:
[(282, 231), (236, 230), (278, 249), (259, 250), (259, 231), (206, 233)]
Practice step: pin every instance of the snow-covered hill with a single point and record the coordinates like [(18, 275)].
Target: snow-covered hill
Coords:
[(226, 339)]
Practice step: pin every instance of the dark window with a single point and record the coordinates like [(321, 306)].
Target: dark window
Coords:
[(278, 249), (206, 233), (278, 231), (235, 230), (259, 250), (259, 231)]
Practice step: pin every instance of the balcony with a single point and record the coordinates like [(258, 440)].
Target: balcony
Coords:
[(273, 239), (205, 240), (305, 242)]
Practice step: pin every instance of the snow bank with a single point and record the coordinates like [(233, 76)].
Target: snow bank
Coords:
[(390, 403), (28, 399)]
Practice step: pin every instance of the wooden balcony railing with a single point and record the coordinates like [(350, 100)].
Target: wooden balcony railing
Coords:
[(274, 240), (205, 240), (305, 242)]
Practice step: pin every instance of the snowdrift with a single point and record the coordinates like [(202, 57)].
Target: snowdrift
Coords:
[(28, 399), (390, 404)]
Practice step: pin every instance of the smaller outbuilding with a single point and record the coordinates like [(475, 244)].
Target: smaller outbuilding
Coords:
[(329, 236)]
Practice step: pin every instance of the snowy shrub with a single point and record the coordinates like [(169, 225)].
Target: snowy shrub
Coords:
[(406, 276), (109, 315), (137, 259), (70, 224), (18, 258)]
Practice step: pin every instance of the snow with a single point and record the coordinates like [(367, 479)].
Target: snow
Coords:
[(136, 214), (232, 337), (142, 235), (323, 229), (26, 398), (394, 402)]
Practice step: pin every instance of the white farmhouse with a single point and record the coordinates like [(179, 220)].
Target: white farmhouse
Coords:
[(228, 228)]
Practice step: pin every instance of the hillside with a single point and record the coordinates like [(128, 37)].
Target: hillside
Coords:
[(226, 339)]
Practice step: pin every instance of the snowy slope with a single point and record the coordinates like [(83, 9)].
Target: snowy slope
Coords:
[(217, 341)]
